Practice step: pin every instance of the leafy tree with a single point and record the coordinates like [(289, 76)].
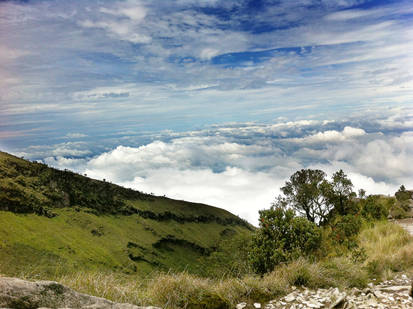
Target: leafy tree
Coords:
[(282, 237), (307, 192), (341, 194), (362, 193)]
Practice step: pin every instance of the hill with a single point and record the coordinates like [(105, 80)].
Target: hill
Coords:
[(59, 221)]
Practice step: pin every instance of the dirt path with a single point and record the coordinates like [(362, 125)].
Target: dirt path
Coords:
[(407, 224)]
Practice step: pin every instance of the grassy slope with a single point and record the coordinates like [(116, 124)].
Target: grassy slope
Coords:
[(54, 222), (388, 249)]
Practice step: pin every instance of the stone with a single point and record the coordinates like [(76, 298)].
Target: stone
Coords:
[(257, 305), (389, 294), (395, 288), (339, 301), (241, 305), (411, 291), (290, 297), (18, 293)]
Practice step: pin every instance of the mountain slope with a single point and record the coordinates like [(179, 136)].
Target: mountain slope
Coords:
[(59, 221)]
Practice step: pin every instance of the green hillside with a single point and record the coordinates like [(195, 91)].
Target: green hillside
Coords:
[(59, 221)]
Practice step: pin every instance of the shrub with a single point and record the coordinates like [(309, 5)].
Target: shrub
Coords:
[(402, 194), (345, 229), (282, 237), (372, 209)]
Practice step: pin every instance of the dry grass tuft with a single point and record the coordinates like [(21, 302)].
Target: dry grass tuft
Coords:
[(389, 249)]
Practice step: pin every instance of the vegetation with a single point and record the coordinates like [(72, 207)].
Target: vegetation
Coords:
[(332, 217), (387, 249), (128, 246), (55, 221), (310, 194), (282, 237)]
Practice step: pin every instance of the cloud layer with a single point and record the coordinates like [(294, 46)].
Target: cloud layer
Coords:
[(241, 167)]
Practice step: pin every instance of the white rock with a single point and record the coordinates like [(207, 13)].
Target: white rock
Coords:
[(290, 297), (241, 305), (396, 288), (313, 304), (257, 305)]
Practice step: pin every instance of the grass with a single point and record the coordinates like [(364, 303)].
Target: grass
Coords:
[(30, 242), (50, 218), (385, 244), (389, 249)]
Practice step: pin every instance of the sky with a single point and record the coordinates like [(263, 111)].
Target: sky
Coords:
[(211, 101)]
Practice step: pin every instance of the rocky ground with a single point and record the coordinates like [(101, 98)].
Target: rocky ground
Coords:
[(388, 294)]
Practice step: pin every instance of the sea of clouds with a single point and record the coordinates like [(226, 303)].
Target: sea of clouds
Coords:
[(241, 167)]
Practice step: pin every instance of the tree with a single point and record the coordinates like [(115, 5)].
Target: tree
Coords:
[(282, 237), (341, 194), (308, 193), (402, 195)]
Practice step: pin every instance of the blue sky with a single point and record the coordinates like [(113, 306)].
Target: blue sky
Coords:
[(79, 79)]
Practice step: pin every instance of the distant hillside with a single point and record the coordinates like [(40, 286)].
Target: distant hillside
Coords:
[(54, 220)]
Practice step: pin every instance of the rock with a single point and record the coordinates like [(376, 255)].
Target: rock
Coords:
[(257, 305), (339, 301), (241, 305), (411, 291), (395, 288), (17, 293), (290, 297), (389, 294)]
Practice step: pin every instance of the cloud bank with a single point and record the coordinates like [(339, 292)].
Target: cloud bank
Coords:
[(240, 167)]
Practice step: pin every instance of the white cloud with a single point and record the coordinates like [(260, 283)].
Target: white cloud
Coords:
[(241, 167), (331, 136), (135, 12), (114, 22), (75, 135), (120, 29), (238, 191), (7, 53), (348, 14), (208, 53)]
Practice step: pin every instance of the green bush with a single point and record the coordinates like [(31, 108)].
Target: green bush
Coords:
[(345, 230), (282, 237), (372, 209), (402, 194)]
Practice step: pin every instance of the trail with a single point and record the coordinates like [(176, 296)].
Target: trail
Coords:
[(407, 224)]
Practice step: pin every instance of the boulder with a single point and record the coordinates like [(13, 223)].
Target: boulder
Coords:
[(22, 294)]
